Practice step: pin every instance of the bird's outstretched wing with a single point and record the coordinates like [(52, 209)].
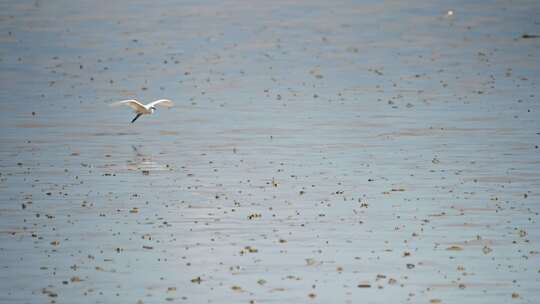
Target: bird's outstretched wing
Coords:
[(162, 102), (132, 103)]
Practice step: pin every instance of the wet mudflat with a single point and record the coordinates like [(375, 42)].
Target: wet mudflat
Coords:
[(325, 152)]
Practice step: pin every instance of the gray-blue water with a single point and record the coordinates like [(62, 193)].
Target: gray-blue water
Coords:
[(325, 152)]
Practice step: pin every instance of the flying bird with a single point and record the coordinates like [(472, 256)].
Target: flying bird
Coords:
[(141, 109)]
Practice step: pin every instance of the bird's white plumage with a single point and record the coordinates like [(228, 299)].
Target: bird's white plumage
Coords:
[(162, 102), (140, 108), (132, 103)]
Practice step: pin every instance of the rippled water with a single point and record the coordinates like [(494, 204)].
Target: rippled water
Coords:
[(318, 152)]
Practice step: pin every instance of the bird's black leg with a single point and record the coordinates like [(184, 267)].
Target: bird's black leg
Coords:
[(138, 115)]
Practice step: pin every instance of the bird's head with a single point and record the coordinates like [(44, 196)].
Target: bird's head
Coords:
[(152, 109)]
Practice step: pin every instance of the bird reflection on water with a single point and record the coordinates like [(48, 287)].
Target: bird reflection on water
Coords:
[(143, 162)]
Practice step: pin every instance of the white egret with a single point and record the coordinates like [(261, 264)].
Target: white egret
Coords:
[(141, 109)]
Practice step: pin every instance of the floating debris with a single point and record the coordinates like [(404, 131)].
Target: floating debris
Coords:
[(197, 280), (454, 248), (254, 216)]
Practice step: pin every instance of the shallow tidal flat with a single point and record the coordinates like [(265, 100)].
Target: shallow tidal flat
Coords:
[(318, 152)]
